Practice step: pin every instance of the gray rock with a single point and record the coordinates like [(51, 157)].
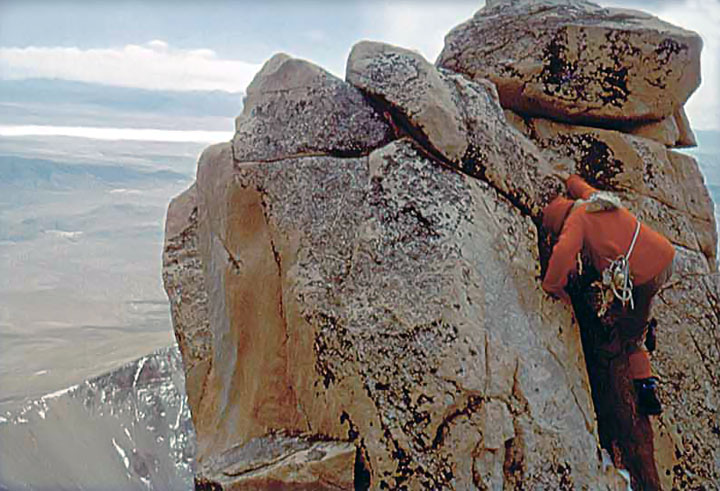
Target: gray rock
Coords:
[(408, 83), (576, 61), (459, 121), (392, 302), (184, 283), (294, 108)]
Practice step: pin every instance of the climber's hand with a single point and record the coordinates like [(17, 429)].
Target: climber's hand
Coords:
[(560, 170)]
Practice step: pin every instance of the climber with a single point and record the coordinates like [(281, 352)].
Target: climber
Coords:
[(642, 260)]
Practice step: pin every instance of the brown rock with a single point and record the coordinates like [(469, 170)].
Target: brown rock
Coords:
[(686, 137), (410, 323), (460, 122), (663, 187), (665, 131), (673, 131), (576, 61)]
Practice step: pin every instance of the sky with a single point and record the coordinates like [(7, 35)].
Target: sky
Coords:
[(220, 45)]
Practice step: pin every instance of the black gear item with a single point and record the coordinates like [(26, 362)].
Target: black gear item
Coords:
[(651, 335), (648, 402)]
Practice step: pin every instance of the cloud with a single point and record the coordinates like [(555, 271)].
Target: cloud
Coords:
[(154, 65)]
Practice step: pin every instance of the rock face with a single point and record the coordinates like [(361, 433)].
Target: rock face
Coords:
[(664, 187), (355, 283), (391, 303), (576, 61), (460, 122), (293, 107), (184, 281)]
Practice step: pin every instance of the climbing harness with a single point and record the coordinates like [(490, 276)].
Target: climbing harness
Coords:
[(616, 278)]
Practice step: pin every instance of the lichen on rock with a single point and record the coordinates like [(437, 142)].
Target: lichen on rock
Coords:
[(293, 107), (576, 61)]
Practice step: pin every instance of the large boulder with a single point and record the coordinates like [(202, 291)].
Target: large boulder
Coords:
[(459, 121), (576, 61), (355, 278), (390, 304), (293, 107)]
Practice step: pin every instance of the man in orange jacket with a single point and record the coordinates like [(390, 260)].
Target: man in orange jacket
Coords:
[(604, 236)]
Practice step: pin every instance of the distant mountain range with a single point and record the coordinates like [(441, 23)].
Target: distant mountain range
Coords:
[(67, 103), (26, 173)]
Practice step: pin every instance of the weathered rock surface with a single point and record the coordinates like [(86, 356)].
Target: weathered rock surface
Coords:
[(406, 81), (281, 461), (355, 278), (665, 131), (294, 107), (460, 121), (576, 61), (184, 281), (391, 303), (673, 131), (664, 187), (687, 362)]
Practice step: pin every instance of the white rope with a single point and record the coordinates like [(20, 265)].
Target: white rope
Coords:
[(632, 244), (617, 275)]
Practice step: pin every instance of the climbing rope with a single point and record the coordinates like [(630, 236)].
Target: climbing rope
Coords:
[(617, 276)]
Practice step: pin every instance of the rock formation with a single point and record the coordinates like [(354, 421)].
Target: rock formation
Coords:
[(355, 278), (576, 61)]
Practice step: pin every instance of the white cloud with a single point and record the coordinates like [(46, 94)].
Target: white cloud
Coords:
[(155, 65)]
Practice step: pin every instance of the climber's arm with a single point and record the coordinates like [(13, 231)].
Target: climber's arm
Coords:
[(578, 188), (563, 258)]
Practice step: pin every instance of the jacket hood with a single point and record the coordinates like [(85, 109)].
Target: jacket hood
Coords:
[(555, 213)]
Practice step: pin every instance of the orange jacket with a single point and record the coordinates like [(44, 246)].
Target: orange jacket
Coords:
[(605, 235)]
